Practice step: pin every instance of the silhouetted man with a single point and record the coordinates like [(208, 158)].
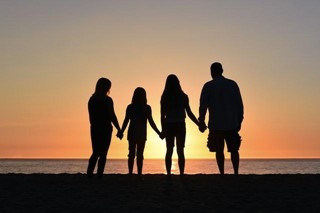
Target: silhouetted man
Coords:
[(221, 96)]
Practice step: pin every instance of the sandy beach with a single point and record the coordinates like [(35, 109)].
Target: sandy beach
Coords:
[(155, 193)]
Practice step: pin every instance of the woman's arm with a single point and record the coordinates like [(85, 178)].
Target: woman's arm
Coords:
[(113, 116), (162, 114)]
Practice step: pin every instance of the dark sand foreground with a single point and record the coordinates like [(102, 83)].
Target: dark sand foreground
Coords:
[(193, 193)]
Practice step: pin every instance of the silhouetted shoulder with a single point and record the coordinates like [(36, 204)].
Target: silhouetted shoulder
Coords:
[(129, 106), (109, 100), (148, 110), (100, 110), (233, 84), (230, 81), (185, 98), (207, 84), (130, 110), (219, 81), (96, 98), (138, 106)]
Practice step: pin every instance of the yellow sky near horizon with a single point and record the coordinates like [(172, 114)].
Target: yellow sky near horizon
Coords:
[(53, 52)]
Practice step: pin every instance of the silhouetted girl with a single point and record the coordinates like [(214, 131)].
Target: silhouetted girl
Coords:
[(102, 116), (174, 105), (138, 112)]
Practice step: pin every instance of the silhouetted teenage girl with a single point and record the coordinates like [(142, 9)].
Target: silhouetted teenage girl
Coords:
[(138, 112), (102, 116), (174, 105)]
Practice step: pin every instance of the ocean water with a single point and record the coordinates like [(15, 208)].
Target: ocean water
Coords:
[(205, 166)]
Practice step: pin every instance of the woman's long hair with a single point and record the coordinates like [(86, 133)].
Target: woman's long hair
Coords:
[(102, 87), (172, 93), (139, 96)]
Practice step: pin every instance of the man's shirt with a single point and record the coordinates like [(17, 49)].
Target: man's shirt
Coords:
[(221, 96)]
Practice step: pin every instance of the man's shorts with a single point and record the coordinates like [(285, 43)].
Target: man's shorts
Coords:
[(216, 140)]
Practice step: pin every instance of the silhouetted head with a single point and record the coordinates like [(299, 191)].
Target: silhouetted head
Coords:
[(103, 86), (139, 96), (172, 84), (172, 93), (216, 69)]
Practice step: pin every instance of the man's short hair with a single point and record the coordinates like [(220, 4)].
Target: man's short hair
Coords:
[(216, 68)]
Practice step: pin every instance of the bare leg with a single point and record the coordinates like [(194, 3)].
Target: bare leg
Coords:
[(101, 164), (139, 165), (92, 163), (235, 158), (169, 160), (220, 161), (130, 165), (131, 156), (140, 149), (181, 160)]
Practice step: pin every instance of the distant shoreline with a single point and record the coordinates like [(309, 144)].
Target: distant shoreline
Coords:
[(154, 192), (154, 166), (160, 159)]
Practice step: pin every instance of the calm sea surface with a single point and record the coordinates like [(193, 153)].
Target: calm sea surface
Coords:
[(207, 166)]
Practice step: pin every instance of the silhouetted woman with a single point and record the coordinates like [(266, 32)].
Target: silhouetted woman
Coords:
[(102, 116), (174, 105), (138, 112)]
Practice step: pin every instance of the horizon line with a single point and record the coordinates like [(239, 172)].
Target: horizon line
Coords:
[(249, 158)]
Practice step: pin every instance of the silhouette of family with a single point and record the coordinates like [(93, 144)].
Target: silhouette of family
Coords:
[(220, 96)]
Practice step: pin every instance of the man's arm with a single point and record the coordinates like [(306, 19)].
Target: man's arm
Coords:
[(203, 109), (239, 106)]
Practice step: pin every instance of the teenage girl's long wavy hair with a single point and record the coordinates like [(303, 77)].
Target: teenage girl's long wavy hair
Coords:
[(172, 94)]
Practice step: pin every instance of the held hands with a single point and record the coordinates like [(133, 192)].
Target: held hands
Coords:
[(162, 135), (120, 134), (202, 126)]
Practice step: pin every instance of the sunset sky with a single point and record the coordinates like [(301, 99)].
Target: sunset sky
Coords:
[(53, 52)]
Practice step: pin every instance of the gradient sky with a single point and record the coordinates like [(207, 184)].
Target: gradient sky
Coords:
[(53, 52)]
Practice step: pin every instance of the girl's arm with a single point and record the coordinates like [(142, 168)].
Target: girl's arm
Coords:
[(151, 121), (189, 112), (126, 120)]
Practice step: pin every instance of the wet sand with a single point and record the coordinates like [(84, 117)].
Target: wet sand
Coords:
[(155, 193)]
